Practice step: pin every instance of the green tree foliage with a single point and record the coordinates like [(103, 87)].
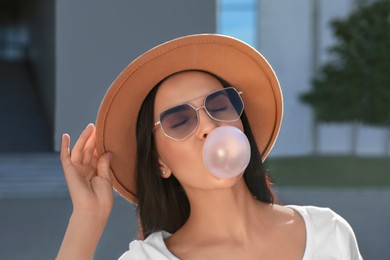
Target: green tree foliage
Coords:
[(355, 84)]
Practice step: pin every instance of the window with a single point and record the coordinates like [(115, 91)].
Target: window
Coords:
[(238, 18)]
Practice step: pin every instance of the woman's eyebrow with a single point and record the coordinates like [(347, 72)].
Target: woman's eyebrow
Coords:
[(204, 96), (175, 109), (212, 95), (217, 94)]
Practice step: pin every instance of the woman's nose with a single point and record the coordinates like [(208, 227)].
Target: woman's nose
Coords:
[(206, 124)]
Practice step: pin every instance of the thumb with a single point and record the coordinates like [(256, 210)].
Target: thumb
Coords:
[(103, 166)]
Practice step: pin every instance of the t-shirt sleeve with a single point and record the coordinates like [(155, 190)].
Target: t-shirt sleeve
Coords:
[(346, 239), (333, 235), (152, 247), (136, 252)]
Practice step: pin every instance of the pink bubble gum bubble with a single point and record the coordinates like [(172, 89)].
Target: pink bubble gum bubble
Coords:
[(226, 152)]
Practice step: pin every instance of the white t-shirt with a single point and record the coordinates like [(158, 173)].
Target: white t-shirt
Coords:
[(328, 237)]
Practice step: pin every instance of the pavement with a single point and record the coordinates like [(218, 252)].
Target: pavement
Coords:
[(35, 209)]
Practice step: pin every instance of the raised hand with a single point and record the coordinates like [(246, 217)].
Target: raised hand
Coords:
[(89, 183), (87, 176)]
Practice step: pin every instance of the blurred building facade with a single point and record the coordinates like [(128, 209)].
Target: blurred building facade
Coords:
[(295, 37), (75, 49)]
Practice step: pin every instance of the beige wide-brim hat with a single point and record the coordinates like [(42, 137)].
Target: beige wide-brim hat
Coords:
[(232, 60)]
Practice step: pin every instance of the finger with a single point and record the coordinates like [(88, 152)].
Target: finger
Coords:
[(94, 160), (65, 156), (103, 166), (89, 149), (78, 149), (65, 151)]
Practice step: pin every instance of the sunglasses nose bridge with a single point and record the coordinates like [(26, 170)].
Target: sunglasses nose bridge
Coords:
[(198, 108), (205, 110)]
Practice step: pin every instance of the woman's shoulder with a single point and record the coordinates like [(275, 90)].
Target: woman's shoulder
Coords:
[(328, 234), (153, 247), (322, 219), (318, 214)]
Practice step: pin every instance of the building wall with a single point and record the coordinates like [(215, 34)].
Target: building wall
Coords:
[(285, 40), (40, 19), (96, 39)]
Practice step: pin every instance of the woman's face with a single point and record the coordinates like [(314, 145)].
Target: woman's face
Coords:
[(184, 158)]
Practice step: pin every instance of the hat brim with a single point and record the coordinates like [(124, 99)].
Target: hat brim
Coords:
[(230, 59)]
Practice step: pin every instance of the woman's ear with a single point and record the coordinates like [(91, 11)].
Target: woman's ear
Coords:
[(165, 171)]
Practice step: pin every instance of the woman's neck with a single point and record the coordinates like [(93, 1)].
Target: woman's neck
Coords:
[(229, 212), (232, 224)]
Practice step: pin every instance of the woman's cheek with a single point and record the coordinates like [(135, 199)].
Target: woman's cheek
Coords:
[(182, 157)]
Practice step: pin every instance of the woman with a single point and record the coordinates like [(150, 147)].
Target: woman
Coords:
[(148, 143)]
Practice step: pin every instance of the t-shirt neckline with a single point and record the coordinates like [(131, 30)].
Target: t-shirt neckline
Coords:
[(162, 235)]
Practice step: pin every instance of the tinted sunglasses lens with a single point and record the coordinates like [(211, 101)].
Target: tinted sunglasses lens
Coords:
[(224, 105), (179, 122)]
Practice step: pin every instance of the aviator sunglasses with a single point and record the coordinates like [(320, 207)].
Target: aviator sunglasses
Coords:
[(180, 121)]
